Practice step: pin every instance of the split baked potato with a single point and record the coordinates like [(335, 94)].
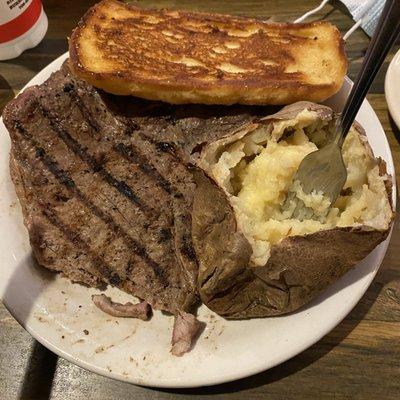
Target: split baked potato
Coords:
[(255, 260)]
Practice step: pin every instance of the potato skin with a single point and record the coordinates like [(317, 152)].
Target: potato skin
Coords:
[(299, 268), (223, 252)]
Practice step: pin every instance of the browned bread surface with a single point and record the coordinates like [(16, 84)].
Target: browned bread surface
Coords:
[(186, 57)]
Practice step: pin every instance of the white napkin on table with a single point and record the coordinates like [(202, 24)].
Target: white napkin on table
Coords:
[(369, 10)]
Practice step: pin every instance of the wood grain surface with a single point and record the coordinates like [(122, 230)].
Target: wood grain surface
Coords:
[(359, 359)]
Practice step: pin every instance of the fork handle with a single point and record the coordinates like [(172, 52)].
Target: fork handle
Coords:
[(384, 37)]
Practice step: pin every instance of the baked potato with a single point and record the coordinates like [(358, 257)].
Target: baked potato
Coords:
[(254, 260)]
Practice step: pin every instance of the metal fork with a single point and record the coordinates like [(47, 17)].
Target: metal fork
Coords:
[(324, 170)]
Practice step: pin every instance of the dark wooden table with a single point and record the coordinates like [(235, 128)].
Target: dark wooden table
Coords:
[(359, 359)]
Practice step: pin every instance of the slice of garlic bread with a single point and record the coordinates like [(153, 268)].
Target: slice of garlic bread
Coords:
[(185, 57)]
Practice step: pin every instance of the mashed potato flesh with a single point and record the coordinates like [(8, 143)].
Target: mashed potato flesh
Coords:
[(257, 182)]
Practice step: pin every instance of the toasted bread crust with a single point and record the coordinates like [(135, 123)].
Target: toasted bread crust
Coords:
[(184, 57)]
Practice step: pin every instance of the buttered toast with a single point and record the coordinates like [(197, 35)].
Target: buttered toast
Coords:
[(186, 57)]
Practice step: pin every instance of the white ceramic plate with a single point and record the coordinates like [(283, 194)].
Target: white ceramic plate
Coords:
[(392, 88), (57, 312)]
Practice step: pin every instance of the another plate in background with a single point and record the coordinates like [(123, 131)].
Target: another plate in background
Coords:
[(392, 88)]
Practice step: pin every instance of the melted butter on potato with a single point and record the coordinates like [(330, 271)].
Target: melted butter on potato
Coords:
[(256, 171)]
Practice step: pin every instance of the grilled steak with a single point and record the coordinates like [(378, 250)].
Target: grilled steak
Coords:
[(106, 185)]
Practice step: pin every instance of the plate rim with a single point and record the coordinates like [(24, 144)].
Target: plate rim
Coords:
[(44, 74)]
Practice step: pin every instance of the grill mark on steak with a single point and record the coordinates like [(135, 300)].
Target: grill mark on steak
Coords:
[(86, 114), (129, 152), (95, 166), (164, 147), (183, 243), (132, 155), (187, 248), (76, 239), (64, 178)]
